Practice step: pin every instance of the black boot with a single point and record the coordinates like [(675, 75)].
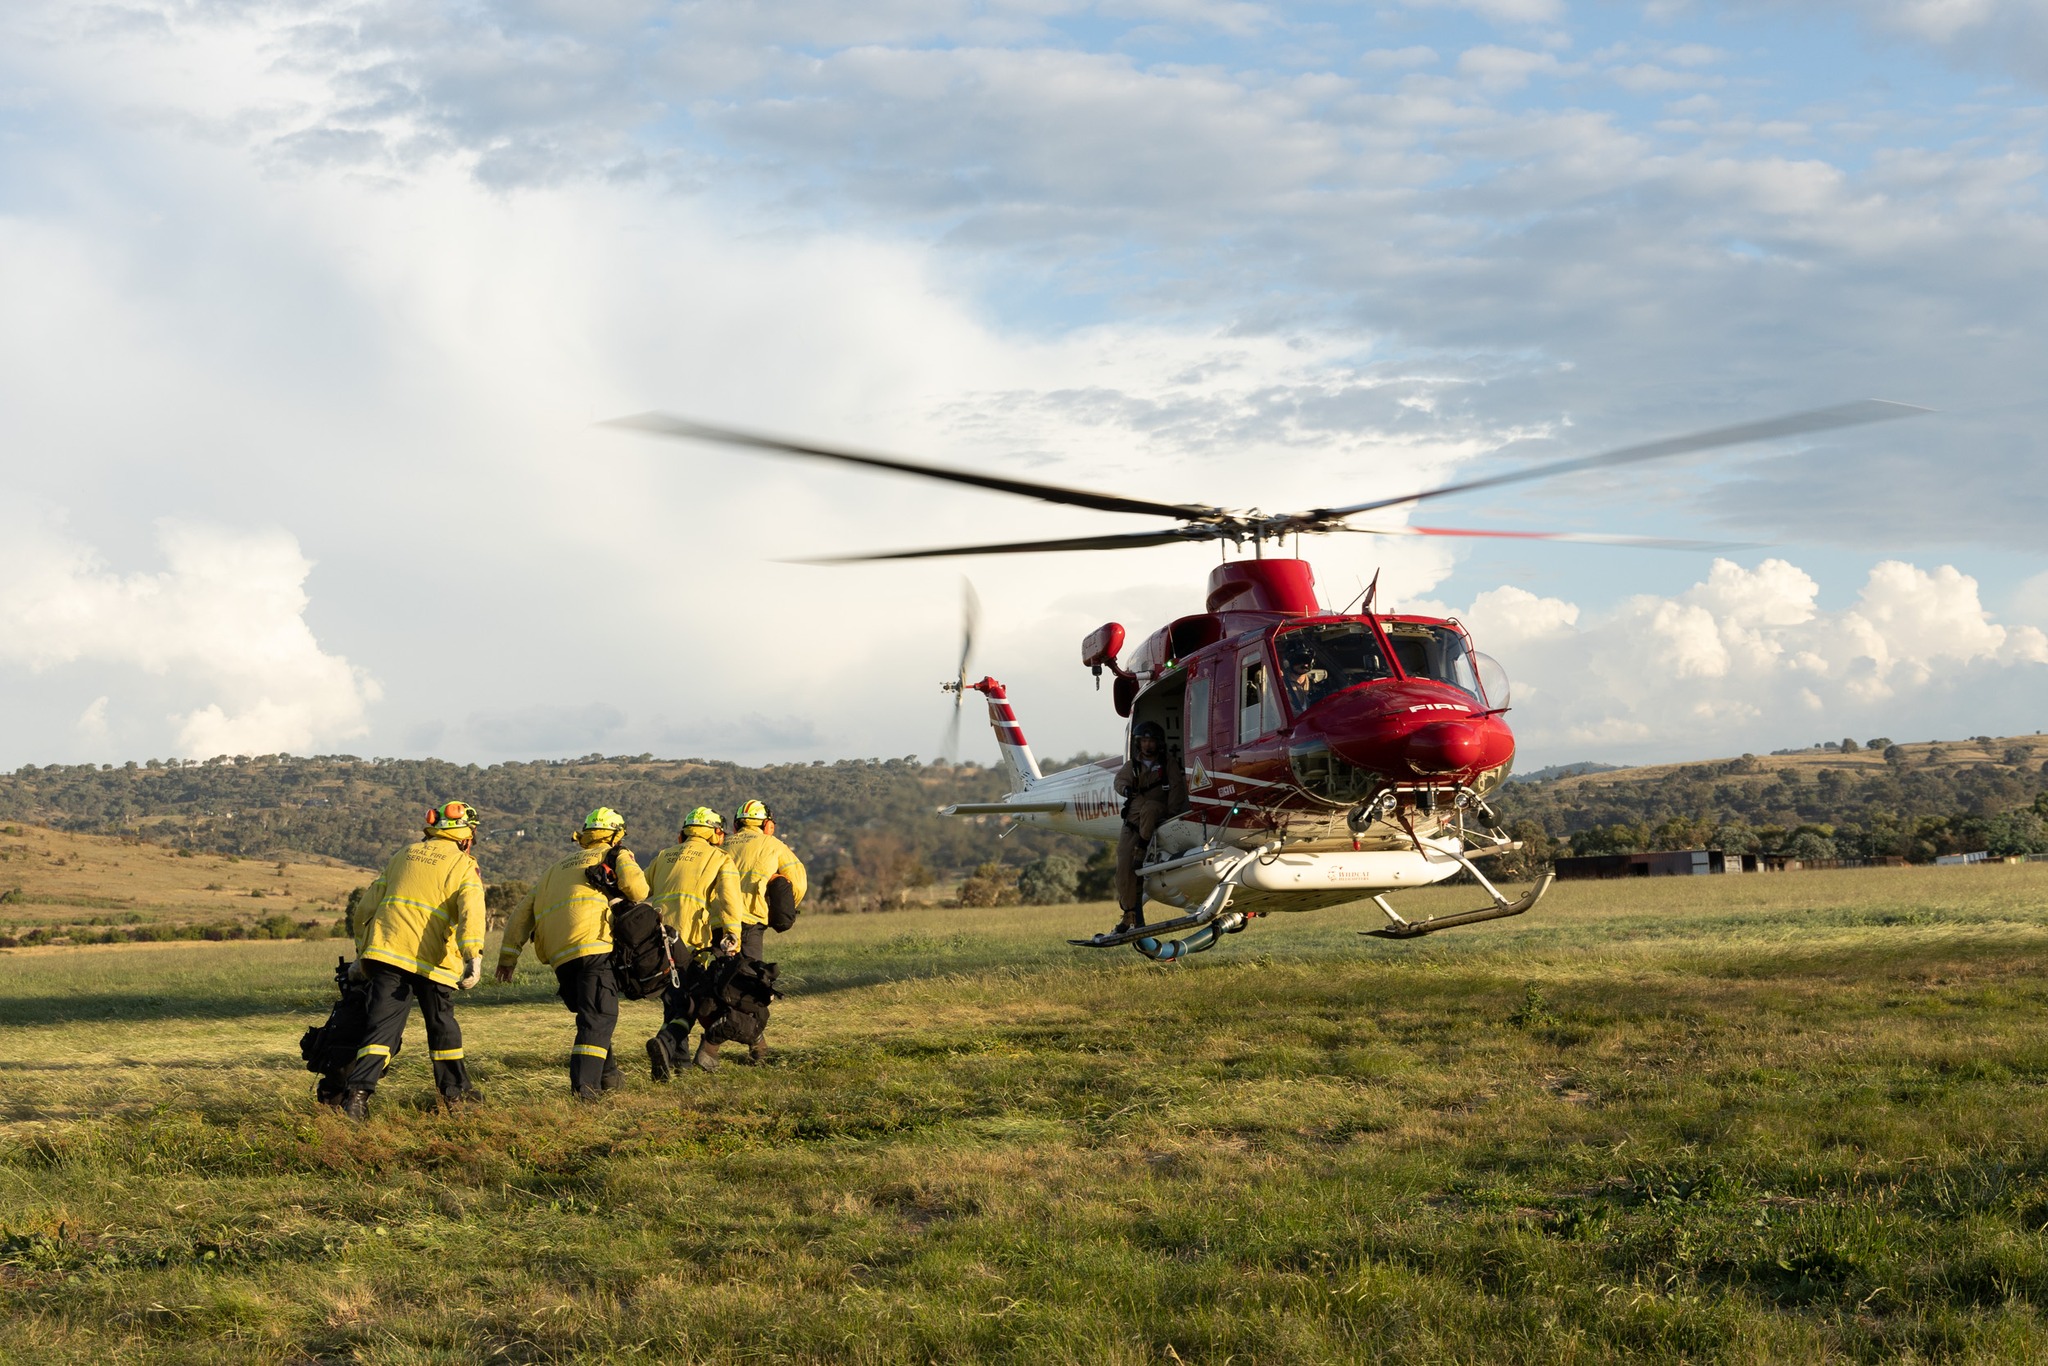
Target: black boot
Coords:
[(330, 1092), (661, 1065), (356, 1105), (613, 1078), (757, 1052), (707, 1056)]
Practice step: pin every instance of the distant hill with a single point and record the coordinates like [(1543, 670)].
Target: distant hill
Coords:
[(1556, 771), (67, 887), (1909, 800), (359, 811)]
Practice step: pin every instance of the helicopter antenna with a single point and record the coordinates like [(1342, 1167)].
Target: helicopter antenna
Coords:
[(1372, 592)]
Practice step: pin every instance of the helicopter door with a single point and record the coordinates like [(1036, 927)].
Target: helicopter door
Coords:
[(1258, 702)]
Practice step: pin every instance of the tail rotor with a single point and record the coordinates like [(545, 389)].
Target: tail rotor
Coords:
[(970, 619)]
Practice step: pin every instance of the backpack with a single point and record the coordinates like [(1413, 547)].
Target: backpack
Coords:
[(643, 950), (643, 953), (781, 904)]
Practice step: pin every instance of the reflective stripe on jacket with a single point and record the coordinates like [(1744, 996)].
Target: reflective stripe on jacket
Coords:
[(425, 914), (566, 917), (761, 858), (697, 889)]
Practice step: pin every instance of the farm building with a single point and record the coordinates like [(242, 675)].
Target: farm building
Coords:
[(1666, 863)]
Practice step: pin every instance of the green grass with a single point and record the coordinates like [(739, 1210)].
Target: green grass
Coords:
[(1796, 1117)]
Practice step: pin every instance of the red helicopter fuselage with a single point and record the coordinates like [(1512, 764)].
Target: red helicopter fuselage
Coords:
[(1278, 709)]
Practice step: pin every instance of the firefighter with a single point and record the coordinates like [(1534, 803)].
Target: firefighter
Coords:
[(1152, 792), (419, 930), (570, 923), (761, 858), (698, 891)]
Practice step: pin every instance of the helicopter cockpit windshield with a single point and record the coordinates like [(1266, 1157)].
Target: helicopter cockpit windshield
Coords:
[(1442, 653), (1319, 660)]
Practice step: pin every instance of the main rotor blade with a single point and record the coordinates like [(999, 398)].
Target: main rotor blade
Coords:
[(1582, 537), (1127, 541), (663, 424), (1792, 424)]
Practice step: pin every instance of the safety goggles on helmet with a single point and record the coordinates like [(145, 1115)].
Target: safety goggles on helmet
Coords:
[(453, 818), (604, 818), (752, 811)]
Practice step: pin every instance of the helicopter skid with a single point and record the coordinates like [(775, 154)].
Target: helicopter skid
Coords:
[(1501, 909)]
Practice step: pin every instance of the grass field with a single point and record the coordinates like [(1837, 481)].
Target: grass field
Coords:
[(69, 887), (1780, 1118)]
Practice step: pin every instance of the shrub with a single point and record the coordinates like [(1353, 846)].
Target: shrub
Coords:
[(992, 884), (1049, 881), (1097, 881), (499, 900)]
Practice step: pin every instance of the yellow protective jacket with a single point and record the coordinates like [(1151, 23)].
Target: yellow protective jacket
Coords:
[(566, 917), (761, 858), (425, 914), (697, 889)]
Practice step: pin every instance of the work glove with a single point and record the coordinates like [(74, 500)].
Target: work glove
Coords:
[(357, 972), (728, 944), (473, 974)]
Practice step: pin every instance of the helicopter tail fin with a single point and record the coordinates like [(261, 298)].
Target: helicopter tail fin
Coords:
[(1018, 760)]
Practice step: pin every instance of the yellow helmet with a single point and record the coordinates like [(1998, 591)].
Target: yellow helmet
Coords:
[(604, 818), (703, 816), (755, 810), (454, 821)]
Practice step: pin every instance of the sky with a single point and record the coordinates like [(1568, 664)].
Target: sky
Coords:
[(311, 310)]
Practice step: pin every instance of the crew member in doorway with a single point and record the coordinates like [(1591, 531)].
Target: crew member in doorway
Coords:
[(570, 923), (1152, 790), (419, 931)]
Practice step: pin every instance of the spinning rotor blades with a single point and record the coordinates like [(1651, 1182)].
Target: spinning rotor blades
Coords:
[(1792, 424), (1200, 522), (661, 424), (970, 617)]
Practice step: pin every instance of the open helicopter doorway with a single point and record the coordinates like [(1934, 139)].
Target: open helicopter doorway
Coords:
[(1165, 705)]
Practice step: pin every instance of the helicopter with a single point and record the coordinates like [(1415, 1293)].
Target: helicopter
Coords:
[(1328, 757)]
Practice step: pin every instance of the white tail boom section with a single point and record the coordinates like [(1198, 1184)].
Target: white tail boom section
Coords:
[(1018, 760)]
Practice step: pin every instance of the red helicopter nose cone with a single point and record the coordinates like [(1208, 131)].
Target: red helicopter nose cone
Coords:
[(1444, 747)]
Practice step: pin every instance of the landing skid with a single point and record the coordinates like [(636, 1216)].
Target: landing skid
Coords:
[(1501, 908), (1208, 922)]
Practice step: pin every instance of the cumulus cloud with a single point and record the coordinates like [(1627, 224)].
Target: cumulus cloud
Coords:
[(225, 617), (1747, 657), (401, 238)]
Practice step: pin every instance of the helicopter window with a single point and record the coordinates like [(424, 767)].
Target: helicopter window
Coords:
[(1316, 661), (1258, 706), (1437, 652), (1198, 713)]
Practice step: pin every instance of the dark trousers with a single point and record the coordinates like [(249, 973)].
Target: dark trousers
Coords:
[(750, 940), (1141, 822), (592, 995), (392, 992), (678, 1017)]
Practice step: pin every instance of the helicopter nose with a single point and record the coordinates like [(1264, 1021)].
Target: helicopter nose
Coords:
[(1444, 747)]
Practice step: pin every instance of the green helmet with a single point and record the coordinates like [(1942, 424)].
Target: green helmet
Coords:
[(604, 818), (705, 817), (754, 810)]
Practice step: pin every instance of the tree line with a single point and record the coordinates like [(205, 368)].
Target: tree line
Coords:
[(1921, 802), (869, 829)]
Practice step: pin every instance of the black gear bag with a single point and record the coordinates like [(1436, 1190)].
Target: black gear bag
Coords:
[(781, 904), (730, 996), (331, 1046), (643, 948)]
